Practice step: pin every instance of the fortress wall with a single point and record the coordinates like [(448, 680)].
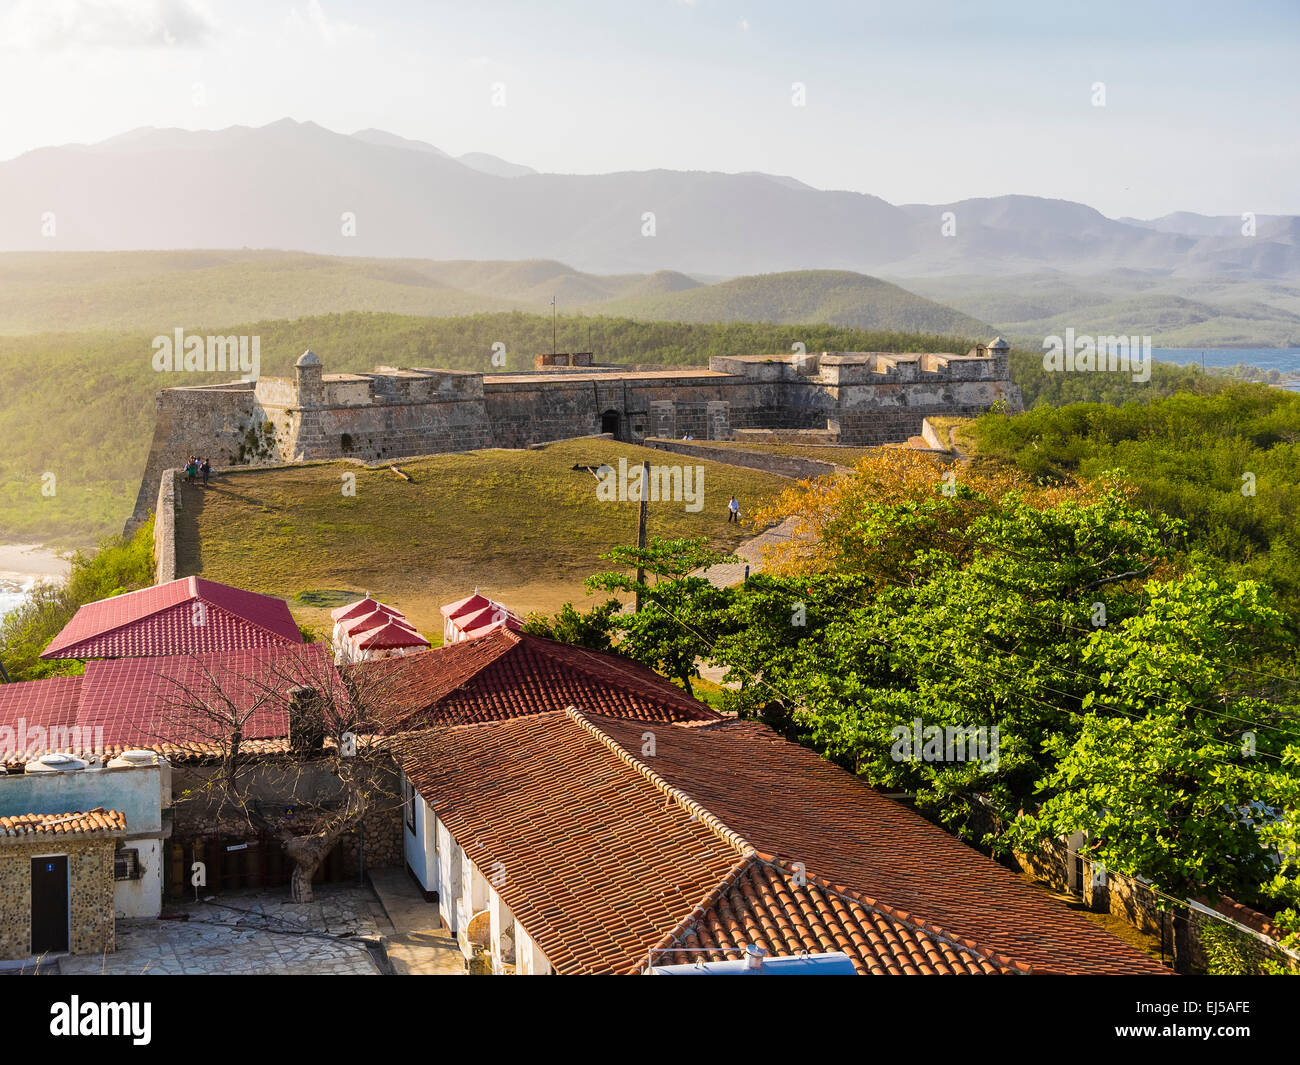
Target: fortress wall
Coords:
[(221, 423), (885, 414), (528, 410), (858, 397), (523, 415), (164, 528), (791, 466), (387, 430), (276, 391), (349, 393)]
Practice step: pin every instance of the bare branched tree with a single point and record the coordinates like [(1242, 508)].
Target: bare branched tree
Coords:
[(300, 745)]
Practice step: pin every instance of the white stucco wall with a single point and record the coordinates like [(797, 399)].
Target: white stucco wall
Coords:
[(143, 897), (450, 871), (420, 847), (529, 960)]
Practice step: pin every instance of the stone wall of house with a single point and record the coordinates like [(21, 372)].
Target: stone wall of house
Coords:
[(206, 825), (90, 867)]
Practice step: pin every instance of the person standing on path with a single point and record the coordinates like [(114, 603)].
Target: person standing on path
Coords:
[(733, 511), (206, 467)]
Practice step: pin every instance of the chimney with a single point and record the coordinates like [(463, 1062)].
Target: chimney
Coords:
[(754, 957), (306, 722)]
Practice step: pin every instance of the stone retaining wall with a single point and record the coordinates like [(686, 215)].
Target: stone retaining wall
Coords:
[(164, 527), (782, 465)]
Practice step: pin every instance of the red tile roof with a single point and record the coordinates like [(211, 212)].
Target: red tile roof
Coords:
[(186, 616), (778, 907), (77, 825), (139, 702), (359, 609), (389, 637), (794, 804), (463, 606), (376, 619), (599, 847), (511, 622), (38, 703), (147, 700), (507, 674)]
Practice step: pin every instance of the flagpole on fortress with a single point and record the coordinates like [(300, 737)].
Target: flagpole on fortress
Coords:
[(553, 347)]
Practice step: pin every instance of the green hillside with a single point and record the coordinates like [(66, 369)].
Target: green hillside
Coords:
[(158, 291), (839, 297), (500, 520)]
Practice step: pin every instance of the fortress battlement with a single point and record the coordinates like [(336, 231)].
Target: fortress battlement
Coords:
[(856, 397)]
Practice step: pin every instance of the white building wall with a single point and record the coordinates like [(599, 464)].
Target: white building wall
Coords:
[(451, 861), (143, 897), (504, 934), (529, 960), (420, 846)]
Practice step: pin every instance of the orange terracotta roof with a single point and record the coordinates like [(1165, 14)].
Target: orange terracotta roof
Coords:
[(598, 847), (82, 824), (794, 804), (507, 674), (778, 907), (592, 860)]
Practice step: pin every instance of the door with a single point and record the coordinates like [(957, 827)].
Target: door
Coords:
[(50, 904)]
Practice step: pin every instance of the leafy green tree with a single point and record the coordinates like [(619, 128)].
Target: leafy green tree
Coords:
[(594, 629), (674, 627)]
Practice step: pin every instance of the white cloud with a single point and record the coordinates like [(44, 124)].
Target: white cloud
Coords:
[(33, 25), (332, 31)]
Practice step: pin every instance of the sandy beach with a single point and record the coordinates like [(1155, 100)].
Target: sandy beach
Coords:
[(22, 566), (21, 562)]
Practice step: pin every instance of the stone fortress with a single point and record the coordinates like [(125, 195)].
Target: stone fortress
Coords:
[(846, 397)]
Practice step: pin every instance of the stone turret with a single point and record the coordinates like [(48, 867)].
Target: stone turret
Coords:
[(311, 386), (306, 431)]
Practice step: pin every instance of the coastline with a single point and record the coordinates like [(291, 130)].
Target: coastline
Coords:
[(22, 562)]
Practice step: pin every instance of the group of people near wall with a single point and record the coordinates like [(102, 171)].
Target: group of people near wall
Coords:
[(194, 466)]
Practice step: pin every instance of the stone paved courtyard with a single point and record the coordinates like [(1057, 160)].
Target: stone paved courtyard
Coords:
[(249, 932)]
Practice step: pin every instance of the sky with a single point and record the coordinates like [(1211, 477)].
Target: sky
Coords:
[(1136, 108)]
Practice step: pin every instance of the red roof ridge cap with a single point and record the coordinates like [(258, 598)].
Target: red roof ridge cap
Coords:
[(712, 821)]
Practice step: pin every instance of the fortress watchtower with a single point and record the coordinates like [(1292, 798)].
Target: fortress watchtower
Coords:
[(311, 386)]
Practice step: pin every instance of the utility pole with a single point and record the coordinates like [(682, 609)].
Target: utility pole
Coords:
[(640, 527)]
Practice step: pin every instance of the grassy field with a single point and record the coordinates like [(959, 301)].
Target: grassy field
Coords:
[(522, 526)]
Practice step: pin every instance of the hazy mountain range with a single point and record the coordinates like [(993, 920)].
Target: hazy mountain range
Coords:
[(289, 185)]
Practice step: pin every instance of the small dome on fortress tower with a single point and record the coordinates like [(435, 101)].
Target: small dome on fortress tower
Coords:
[(997, 344), (308, 358)]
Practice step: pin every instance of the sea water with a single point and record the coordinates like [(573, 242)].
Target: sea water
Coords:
[(1280, 359)]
